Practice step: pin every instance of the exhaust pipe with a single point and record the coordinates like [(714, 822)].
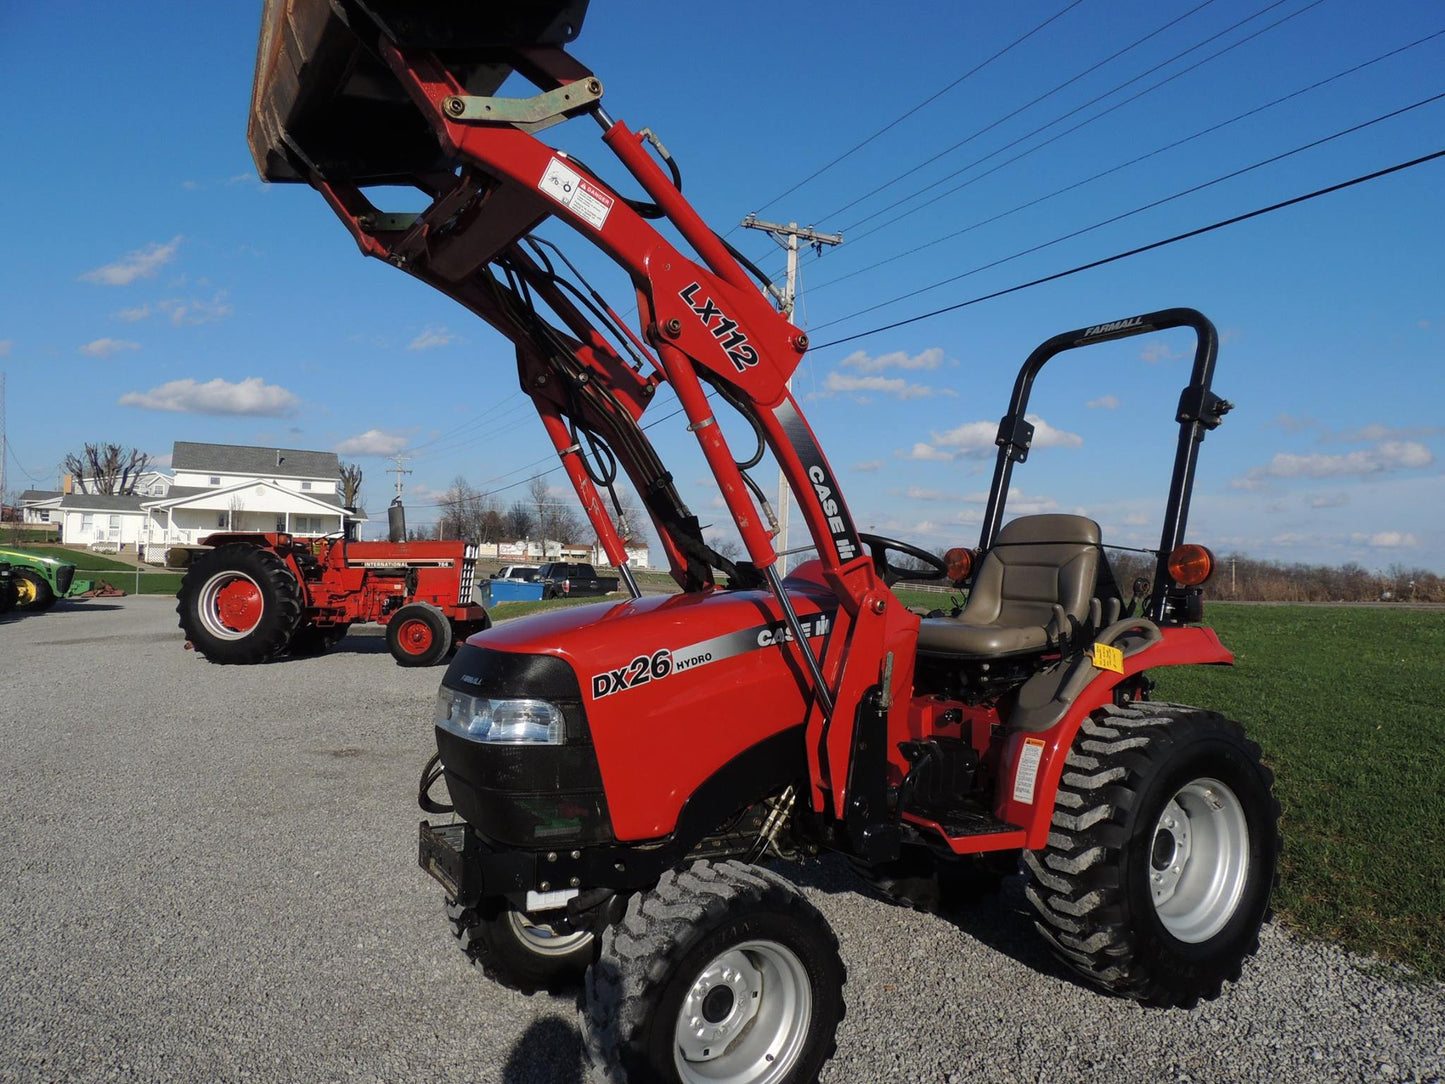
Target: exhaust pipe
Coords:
[(396, 521)]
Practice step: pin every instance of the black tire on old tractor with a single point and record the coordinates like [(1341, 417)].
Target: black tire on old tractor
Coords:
[(418, 634), (1162, 855), (723, 971), (8, 595), (239, 604), (521, 951), (32, 590)]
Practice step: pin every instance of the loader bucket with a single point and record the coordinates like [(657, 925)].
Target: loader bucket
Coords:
[(324, 103)]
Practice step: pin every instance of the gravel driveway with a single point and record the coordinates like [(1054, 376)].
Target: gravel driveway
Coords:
[(208, 874)]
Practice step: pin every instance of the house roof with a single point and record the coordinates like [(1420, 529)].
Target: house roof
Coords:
[(39, 495), (183, 493), (180, 495), (101, 502), (257, 462)]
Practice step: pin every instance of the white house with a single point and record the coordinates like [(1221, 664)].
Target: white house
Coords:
[(215, 487), (240, 488)]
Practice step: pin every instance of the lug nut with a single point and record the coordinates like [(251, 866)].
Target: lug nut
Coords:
[(673, 328)]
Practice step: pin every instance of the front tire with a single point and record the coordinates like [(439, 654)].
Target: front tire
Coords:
[(239, 604), (418, 635), (723, 971), (1162, 854), (523, 951), (32, 590)]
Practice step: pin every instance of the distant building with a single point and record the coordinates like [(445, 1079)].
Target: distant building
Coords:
[(215, 487)]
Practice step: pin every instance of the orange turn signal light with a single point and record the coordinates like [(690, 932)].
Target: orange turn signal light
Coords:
[(959, 562), (1191, 565)]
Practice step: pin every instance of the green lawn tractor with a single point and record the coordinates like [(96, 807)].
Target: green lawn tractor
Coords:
[(36, 582)]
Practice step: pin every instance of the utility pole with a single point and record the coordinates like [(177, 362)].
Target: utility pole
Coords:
[(4, 446), (398, 470), (788, 237)]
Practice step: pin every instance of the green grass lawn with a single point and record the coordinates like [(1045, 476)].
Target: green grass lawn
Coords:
[(81, 559), (1348, 704)]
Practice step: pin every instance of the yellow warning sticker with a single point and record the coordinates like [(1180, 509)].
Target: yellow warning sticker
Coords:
[(1108, 658), (1027, 775)]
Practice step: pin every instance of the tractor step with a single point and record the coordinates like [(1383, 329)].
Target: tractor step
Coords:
[(959, 821)]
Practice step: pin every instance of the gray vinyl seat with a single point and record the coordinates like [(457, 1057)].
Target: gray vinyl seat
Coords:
[(1040, 572)]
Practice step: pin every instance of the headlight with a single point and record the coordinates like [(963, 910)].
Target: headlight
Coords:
[(512, 722)]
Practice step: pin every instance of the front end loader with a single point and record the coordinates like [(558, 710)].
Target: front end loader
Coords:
[(622, 775)]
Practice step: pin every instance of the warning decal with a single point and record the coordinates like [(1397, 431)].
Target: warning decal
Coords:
[(1028, 772), (1108, 658), (586, 200)]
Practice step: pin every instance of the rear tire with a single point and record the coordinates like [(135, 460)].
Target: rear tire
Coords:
[(239, 604), (419, 635), (1162, 854), (35, 594), (723, 971), (523, 951)]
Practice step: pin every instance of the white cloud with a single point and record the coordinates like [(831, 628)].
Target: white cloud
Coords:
[(143, 263), (1156, 351), (1290, 424), (252, 396), (6, 345), (103, 348), (372, 442), (883, 385), (977, 438), (1390, 455), (927, 452), (187, 313), (1367, 433), (1329, 500), (861, 360), (918, 493), (133, 314), (868, 466), (1104, 402), (432, 337), (1386, 540)]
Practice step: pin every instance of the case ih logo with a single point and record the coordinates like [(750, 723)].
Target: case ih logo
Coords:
[(733, 341)]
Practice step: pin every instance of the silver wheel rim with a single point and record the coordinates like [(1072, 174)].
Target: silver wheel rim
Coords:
[(1199, 860), (745, 1019), (543, 939), (208, 608)]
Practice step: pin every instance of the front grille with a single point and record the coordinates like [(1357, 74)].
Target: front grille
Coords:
[(469, 575), (63, 575)]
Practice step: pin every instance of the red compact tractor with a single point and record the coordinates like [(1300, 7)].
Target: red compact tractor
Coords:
[(252, 597), (620, 773)]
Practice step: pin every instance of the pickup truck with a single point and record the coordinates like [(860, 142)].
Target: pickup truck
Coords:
[(520, 573), (562, 579)]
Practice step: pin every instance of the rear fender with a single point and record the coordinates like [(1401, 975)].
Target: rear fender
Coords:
[(1033, 763)]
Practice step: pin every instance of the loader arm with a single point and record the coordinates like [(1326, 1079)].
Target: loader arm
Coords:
[(706, 328)]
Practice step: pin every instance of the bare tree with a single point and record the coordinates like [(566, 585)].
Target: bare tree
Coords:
[(518, 522), (470, 514), (107, 468), (349, 476)]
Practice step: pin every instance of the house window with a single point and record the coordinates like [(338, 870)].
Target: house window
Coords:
[(44, 515), (220, 519), (215, 480), (115, 523), (305, 485), (87, 523)]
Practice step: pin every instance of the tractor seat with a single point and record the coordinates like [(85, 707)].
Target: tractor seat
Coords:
[(1040, 572)]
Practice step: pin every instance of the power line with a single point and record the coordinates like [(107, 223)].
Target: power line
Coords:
[(1064, 116), (1027, 105), (1146, 207), (1124, 165), (1363, 179), (931, 98), (1092, 101)]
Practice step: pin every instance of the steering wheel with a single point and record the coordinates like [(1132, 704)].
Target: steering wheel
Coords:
[(891, 573)]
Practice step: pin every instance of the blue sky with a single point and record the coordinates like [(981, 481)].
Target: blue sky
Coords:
[(156, 291)]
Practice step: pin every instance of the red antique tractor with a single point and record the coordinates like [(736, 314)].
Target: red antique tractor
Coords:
[(619, 773), (252, 597)]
